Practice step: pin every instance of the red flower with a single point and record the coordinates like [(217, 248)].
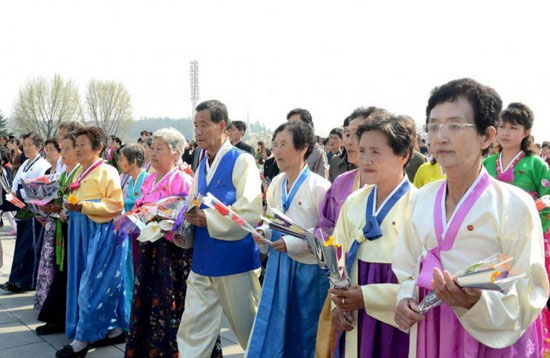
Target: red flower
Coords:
[(221, 209)]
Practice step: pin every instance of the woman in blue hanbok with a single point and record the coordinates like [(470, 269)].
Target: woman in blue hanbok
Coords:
[(97, 308), (294, 288)]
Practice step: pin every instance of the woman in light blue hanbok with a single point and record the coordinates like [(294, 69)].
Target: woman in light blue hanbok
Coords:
[(294, 288), (97, 308)]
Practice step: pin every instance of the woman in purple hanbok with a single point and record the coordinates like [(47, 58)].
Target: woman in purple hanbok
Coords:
[(367, 229)]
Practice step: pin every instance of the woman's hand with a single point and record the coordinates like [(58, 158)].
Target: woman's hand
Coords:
[(349, 299), (259, 239), (341, 320), (63, 217), (196, 217), (41, 220), (406, 314), (73, 207), (279, 245), (446, 289), (50, 208)]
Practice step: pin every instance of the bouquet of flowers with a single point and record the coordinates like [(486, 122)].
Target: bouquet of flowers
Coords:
[(153, 220), (331, 258), (282, 223), (212, 202), (42, 190), (488, 274), (330, 255)]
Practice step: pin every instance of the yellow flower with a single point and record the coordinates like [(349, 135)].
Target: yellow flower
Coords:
[(494, 276), (547, 354), (330, 241), (72, 199), (196, 203)]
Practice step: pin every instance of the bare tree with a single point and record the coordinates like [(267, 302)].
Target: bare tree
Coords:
[(108, 106), (42, 105)]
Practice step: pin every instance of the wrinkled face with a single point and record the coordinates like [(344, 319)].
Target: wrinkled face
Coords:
[(147, 151), (52, 155), (235, 134), (351, 142), (162, 158), (68, 153), (510, 135), (335, 142), (377, 160), (30, 149), (285, 154), (124, 164), (85, 154), (60, 134), (208, 133), (453, 148)]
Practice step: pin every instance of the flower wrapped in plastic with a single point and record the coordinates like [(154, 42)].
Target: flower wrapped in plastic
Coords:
[(491, 273), (212, 202), (42, 190), (154, 220)]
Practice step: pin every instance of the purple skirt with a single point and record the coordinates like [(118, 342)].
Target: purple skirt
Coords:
[(377, 339), (442, 335)]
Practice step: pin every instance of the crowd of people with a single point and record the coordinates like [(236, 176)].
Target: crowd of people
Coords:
[(408, 211)]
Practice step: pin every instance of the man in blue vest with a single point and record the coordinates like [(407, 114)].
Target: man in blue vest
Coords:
[(223, 278)]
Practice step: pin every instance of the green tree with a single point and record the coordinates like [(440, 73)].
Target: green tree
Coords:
[(108, 105), (42, 105), (3, 125)]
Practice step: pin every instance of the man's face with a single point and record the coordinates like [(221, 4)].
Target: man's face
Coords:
[(208, 133), (335, 142), (235, 135)]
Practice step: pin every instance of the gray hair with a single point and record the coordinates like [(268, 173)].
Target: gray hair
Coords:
[(71, 126), (172, 138), (134, 153)]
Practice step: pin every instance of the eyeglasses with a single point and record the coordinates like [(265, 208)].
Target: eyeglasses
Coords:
[(452, 127)]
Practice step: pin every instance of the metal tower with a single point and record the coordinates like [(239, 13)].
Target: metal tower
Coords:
[(194, 82)]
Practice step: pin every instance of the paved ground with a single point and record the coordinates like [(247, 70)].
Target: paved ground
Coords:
[(18, 321)]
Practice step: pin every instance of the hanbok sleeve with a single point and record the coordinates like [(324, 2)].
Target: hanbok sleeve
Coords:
[(542, 183), (327, 211), (499, 319), (406, 255), (246, 179), (111, 203), (298, 249)]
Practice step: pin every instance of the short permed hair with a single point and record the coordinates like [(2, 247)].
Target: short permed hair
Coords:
[(302, 135), (400, 133), (71, 126), (175, 141), (54, 142), (134, 153), (485, 101), (97, 136), (363, 112), (70, 136), (36, 138), (218, 110)]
